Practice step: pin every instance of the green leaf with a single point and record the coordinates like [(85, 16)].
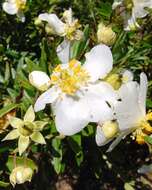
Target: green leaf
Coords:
[(75, 143), (148, 139), (31, 66), (4, 184), (57, 156), (7, 109), (128, 186), (79, 47), (20, 161)]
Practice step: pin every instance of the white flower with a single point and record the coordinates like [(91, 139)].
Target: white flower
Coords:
[(15, 7), (138, 11), (77, 96), (130, 111), (68, 29)]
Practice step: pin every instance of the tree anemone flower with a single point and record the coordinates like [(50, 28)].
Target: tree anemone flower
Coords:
[(70, 30), (130, 114), (17, 7), (77, 95)]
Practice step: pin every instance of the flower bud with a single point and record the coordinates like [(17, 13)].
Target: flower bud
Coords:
[(39, 80), (20, 175), (110, 129), (38, 22), (106, 35)]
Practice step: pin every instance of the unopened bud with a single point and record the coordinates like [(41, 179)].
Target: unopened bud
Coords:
[(110, 129), (40, 80), (20, 175), (106, 35), (38, 22)]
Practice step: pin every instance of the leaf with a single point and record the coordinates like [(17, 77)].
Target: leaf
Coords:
[(7, 109), (4, 184), (20, 161), (148, 139), (79, 47), (31, 66), (75, 143), (128, 186), (57, 156)]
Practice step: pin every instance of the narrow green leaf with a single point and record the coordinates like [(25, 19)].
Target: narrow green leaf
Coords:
[(7, 109)]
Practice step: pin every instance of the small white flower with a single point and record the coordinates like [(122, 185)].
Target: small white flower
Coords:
[(77, 96), (70, 30), (13, 7)]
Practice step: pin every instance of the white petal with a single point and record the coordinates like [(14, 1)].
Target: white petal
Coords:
[(40, 80), (127, 110), (47, 97), (127, 76), (10, 8), (100, 138), (143, 92), (118, 139), (63, 51), (55, 23), (98, 62), (138, 9), (72, 115), (100, 98)]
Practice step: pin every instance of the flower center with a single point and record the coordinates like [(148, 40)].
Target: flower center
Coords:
[(143, 129), (70, 77), (71, 30), (20, 4), (27, 129)]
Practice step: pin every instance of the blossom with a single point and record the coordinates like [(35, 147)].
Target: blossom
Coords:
[(130, 111), (25, 130), (138, 11), (70, 30), (20, 174), (15, 7), (77, 95), (108, 130), (106, 35)]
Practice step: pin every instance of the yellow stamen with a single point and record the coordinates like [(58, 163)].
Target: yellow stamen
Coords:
[(71, 30), (21, 4), (71, 78)]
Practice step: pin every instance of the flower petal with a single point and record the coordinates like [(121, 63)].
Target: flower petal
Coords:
[(100, 138), (23, 143), (38, 138), (63, 51), (40, 80), (10, 8), (54, 22), (47, 97), (98, 62), (143, 92), (14, 134), (127, 109), (100, 98), (72, 115), (29, 115), (16, 122)]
